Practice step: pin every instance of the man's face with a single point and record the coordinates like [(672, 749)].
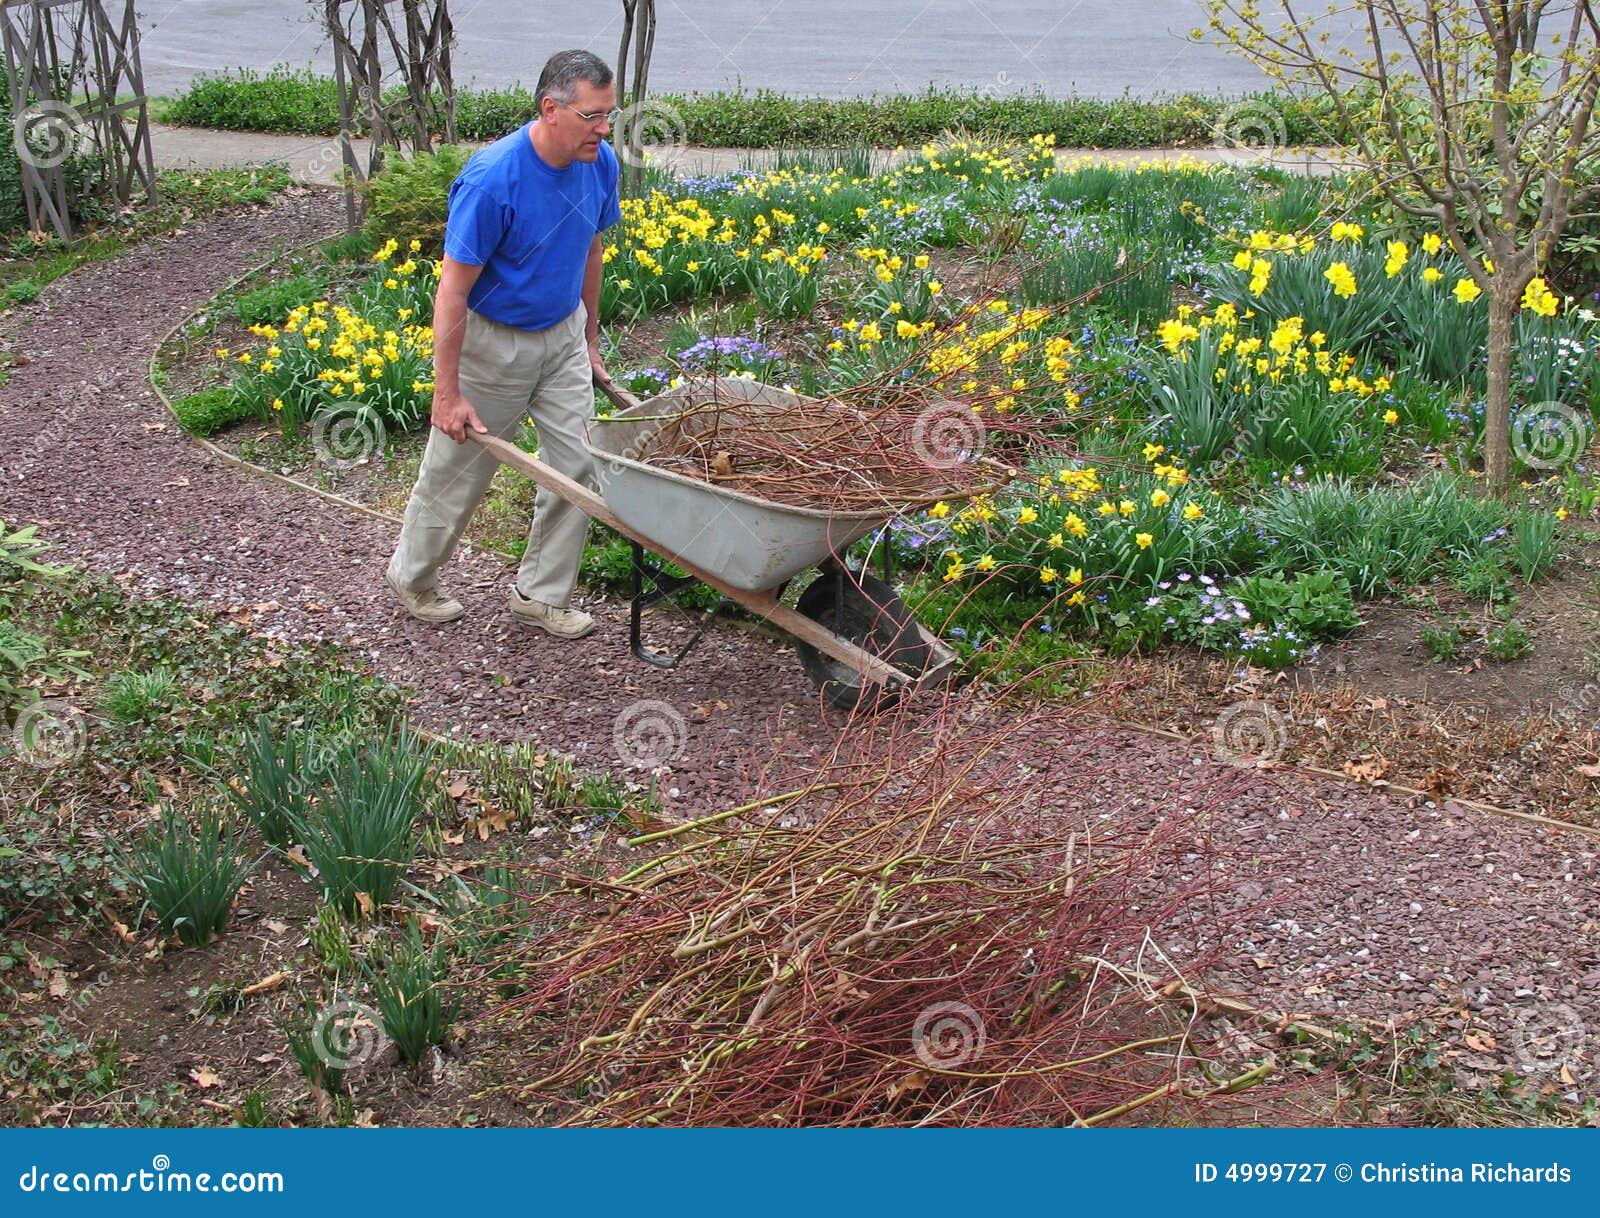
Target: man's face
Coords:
[(575, 137)]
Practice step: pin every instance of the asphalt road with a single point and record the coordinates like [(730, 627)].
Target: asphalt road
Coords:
[(825, 48)]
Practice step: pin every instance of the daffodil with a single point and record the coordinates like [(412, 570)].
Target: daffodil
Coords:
[(1143, 540), (1193, 511), (1467, 291)]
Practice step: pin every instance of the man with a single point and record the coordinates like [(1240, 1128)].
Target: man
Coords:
[(516, 326)]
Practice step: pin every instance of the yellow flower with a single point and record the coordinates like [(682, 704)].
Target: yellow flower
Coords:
[(414, 246), (1077, 598), (1027, 516), (1143, 540), (1342, 278), (1242, 260), (1076, 526), (1432, 274), (920, 262), (934, 287), (1561, 513), (986, 563), (939, 510), (1075, 576), (1152, 451), (1127, 507), (955, 571), (1047, 574), (1538, 298), (870, 333), (223, 353), (1391, 416), (906, 329), (1260, 275), (391, 282), (1193, 511), (277, 403), (1107, 509), (1433, 243), (1347, 232), (1398, 253), (1467, 291), (1159, 498)]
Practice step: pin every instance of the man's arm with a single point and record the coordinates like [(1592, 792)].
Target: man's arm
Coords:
[(591, 308), (452, 413)]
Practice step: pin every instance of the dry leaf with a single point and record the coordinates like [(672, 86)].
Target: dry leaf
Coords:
[(456, 789), (122, 931), (265, 984), (206, 1077), (907, 1084), (1588, 771), (266, 1059), (455, 839), (1377, 704), (1479, 1039), (297, 854), (1567, 1076), (365, 903), (1366, 768), (166, 786), (1261, 962), (722, 464), (276, 928), (58, 984)]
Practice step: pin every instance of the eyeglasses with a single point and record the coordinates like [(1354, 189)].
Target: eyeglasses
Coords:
[(608, 117)]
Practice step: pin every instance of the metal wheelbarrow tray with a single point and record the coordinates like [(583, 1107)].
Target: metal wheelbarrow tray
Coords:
[(747, 548)]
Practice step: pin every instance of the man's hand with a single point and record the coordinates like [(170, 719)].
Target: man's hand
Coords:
[(597, 365), (453, 415)]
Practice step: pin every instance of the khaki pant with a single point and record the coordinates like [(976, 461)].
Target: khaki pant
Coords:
[(507, 374)]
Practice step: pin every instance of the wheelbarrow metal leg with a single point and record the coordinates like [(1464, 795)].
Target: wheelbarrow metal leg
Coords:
[(663, 586)]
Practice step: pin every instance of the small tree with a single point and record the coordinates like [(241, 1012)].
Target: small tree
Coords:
[(639, 37), (1465, 116)]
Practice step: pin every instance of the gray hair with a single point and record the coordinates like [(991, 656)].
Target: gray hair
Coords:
[(563, 71)]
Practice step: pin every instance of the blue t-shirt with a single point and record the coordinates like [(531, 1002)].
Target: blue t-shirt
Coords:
[(529, 227)]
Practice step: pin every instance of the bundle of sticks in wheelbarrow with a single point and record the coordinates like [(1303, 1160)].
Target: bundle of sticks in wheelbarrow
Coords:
[(745, 486)]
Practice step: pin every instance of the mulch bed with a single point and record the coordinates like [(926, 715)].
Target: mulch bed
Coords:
[(1351, 903)]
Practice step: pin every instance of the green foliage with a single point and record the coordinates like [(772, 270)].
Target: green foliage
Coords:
[(210, 410), (189, 874), (1533, 542), (140, 697), (283, 99), (361, 835), (24, 654), (1135, 287), (319, 1067), (280, 773), (1443, 640), (408, 200), (1316, 604), (408, 981), (304, 103), (1376, 537), (1510, 640), (269, 305)]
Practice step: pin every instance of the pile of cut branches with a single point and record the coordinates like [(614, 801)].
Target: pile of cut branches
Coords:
[(915, 935)]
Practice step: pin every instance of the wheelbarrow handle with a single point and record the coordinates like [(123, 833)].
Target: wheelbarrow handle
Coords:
[(618, 395)]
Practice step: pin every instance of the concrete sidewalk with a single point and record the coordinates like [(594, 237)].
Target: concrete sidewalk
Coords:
[(315, 159)]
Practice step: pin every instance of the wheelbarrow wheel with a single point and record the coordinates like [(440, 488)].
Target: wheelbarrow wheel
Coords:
[(874, 619)]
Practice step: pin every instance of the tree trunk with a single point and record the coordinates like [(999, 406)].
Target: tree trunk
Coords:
[(1503, 304)]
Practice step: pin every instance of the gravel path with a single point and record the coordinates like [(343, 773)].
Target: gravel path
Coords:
[(1350, 903)]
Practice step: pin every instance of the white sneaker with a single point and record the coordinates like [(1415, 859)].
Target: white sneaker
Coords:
[(563, 623), (428, 605)]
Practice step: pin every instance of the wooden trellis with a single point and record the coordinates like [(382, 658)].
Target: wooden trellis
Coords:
[(67, 64), (417, 80)]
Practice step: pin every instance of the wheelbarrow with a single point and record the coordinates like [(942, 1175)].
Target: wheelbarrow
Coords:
[(855, 638)]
